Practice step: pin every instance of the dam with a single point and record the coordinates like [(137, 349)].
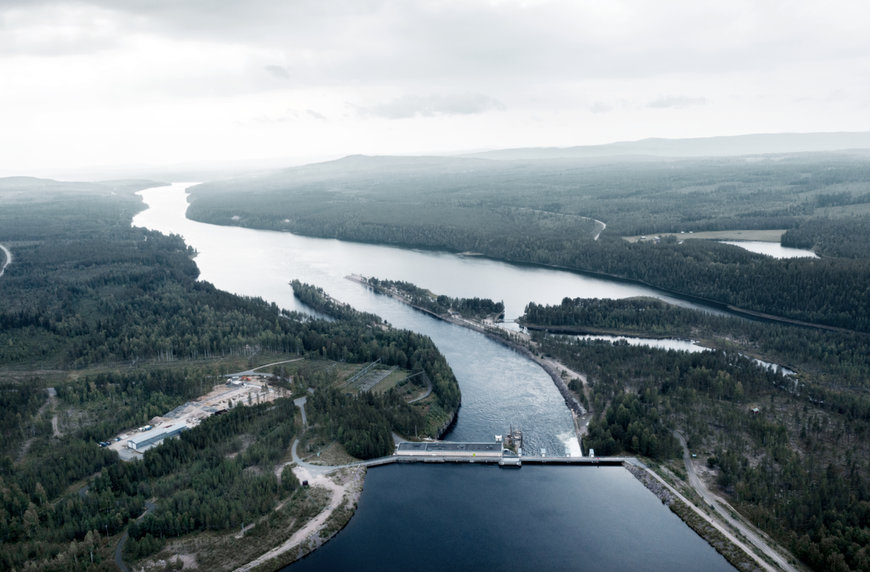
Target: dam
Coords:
[(487, 452)]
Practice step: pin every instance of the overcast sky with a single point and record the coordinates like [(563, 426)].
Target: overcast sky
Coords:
[(158, 82)]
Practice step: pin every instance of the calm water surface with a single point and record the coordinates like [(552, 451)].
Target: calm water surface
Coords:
[(473, 517), (773, 249)]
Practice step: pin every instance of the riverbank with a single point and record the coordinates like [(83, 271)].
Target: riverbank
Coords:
[(344, 487), (706, 525), (517, 341), (734, 551)]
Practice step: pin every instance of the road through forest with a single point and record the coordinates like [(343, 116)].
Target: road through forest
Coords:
[(8, 260)]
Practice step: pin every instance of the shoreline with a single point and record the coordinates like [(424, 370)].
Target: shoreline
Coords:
[(345, 485), (710, 529), (684, 296), (552, 367)]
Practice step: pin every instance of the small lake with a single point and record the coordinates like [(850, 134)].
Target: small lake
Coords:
[(677, 345), (473, 517), (660, 343), (773, 249)]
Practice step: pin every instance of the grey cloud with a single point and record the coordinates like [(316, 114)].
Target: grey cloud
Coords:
[(278, 71), (483, 46), (676, 102), (431, 105), (42, 29), (600, 107)]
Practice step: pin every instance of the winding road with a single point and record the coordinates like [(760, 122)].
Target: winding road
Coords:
[(340, 493), (8, 260)]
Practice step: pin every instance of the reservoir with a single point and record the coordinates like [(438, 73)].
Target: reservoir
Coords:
[(499, 388), (472, 517)]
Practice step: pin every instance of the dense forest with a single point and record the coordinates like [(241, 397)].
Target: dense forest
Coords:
[(403, 348), (104, 326), (835, 359), (545, 212), (790, 449)]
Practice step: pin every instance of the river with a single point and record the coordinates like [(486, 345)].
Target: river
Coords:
[(499, 387)]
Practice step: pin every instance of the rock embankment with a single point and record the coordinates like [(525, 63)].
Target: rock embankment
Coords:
[(651, 483)]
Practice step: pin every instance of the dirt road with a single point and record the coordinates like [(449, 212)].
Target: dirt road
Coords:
[(8, 260), (343, 483), (724, 511)]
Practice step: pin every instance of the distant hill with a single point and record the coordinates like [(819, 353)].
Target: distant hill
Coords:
[(758, 144)]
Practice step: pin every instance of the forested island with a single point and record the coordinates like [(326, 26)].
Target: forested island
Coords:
[(478, 309), (104, 327)]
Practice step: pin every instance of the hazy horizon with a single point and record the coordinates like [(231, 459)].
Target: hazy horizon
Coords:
[(102, 86)]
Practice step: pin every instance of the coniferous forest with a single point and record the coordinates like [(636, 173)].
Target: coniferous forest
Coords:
[(574, 214), (787, 447), (103, 327)]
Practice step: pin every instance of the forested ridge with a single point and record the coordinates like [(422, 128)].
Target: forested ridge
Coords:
[(839, 360), (543, 212), (112, 320), (790, 450)]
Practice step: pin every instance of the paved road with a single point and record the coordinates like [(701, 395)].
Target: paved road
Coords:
[(428, 389), (8, 261), (300, 403), (119, 559), (724, 511)]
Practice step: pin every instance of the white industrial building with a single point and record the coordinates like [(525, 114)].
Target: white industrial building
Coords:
[(154, 436)]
